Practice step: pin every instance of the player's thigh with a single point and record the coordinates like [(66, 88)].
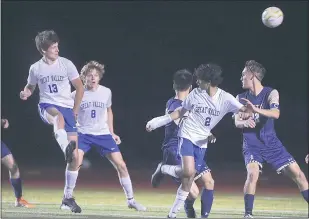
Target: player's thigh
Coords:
[(279, 158), (292, 170), (186, 151), (50, 114), (9, 162), (116, 160), (253, 157)]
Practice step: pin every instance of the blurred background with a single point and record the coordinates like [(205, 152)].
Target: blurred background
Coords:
[(141, 45)]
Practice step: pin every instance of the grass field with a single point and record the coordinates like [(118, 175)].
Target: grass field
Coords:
[(96, 203)]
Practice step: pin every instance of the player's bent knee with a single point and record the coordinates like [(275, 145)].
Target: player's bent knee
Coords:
[(122, 167), (188, 173), (253, 176)]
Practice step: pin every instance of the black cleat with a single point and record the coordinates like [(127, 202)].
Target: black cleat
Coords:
[(69, 151), (69, 203), (157, 176)]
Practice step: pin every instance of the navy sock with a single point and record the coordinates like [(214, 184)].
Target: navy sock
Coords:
[(207, 198), (249, 199), (305, 194), (16, 184)]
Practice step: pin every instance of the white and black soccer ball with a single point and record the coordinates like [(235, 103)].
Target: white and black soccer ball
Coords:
[(272, 17)]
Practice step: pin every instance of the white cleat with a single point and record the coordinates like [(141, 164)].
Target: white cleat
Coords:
[(133, 204)]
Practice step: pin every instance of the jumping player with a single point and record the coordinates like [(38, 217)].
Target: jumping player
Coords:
[(53, 75), (9, 162), (207, 105), (260, 142), (95, 127), (171, 163)]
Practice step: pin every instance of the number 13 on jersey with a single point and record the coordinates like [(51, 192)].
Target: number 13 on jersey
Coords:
[(207, 121)]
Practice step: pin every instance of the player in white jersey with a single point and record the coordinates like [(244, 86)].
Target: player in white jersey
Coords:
[(95, 127), (207, 105), (53, 75)]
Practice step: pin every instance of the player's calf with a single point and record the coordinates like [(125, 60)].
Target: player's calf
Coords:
[(294, 172)]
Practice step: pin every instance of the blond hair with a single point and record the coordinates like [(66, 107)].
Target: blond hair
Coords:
[(90, 66)]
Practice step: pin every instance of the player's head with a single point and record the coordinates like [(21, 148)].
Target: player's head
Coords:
[(92, 73), (182, 80), (47, 44), (253, 72), (208, 75)]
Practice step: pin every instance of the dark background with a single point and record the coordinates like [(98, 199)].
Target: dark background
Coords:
[(142, 44)]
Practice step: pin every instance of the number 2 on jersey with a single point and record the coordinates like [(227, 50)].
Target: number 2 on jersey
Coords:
[(207, 121), (93, 113), (53, 88)]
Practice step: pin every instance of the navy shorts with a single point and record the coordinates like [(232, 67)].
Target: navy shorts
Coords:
[(4, 150)]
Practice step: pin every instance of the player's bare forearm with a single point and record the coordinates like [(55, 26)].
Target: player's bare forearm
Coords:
[(78, 85), (110, 120), (270, 113), (29, 88), (2, 122), (244, 123)]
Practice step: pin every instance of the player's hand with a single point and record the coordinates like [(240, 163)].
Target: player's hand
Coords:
[(307, 158), (75, 113), (250, 105), (212, 138), (5, 123), (244, 116), (117, 139), (150, 126), (250, 123), (24, 94)]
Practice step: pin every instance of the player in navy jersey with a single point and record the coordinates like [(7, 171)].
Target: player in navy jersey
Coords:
[(9, 162), (171, 162), (260, 142)]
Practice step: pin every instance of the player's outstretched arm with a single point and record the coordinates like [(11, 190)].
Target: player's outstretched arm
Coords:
[(307, 158), (160, 121), (273, 100)]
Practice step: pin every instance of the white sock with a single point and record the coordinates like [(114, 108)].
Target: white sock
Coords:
[(178, 203), (62, 139), (172, 170), (127, 187), (70, 182)]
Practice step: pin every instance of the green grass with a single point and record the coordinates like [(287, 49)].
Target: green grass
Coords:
[(107, 204)]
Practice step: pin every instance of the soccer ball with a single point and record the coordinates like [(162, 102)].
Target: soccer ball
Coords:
[(272, 17)]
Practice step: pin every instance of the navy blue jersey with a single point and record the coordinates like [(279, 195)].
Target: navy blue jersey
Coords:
[(264, 132), (171, 129)]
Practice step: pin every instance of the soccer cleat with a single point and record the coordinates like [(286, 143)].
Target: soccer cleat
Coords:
[(133, 204), (248, 216), (20, 202), (70, 204), (69, 151), (190, 212), (157, 176)]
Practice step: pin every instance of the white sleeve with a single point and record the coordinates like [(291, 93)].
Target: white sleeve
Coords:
[(32, 79), (188, 102), (109, 100), (233, 104), (273, 97), (72, 71)]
